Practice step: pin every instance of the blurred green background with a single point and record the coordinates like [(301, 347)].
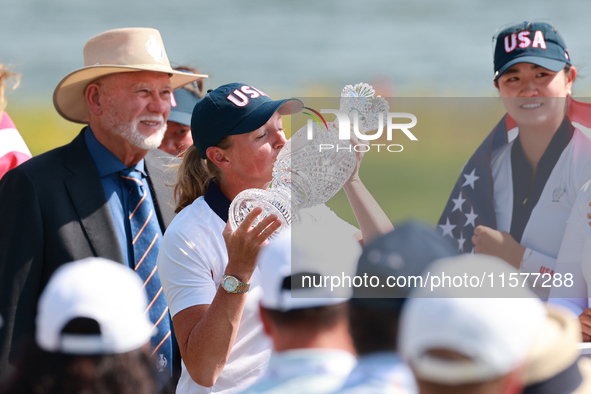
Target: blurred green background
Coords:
[(417, 182), (425, 48), (413, 183)]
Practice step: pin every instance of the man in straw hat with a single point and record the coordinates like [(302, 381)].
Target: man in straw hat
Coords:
[(104, 194)]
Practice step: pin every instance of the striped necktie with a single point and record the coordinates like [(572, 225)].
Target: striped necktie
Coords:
[(146, 238)]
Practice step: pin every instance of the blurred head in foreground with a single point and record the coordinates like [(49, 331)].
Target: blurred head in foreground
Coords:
[(404, 252), (458, 343), (554, 364), (295, 306), (90, 337), (375, 311), (307, 320)]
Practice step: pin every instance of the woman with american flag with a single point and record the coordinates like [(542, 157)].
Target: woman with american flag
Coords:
[(515, 194), (13, 150)]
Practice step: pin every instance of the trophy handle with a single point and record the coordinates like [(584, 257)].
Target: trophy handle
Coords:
[(273, 203)]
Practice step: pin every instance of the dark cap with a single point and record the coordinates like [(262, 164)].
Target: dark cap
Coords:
[(182, 106), (233, 109), (404, 252), (536, 42)]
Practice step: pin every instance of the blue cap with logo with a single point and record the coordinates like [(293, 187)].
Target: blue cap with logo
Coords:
[(536, 42), (182, 108), (233, 109)]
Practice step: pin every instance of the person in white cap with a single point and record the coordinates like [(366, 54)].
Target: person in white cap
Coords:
[(105, 193), (462, 339), (313, 350), (89, 340)]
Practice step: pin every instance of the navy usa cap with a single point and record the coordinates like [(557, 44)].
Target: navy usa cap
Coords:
[(233, 109), (536, 42), (182, 108), (403, 253)]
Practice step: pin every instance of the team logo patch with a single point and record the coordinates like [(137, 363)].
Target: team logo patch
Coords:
[(558, 193), (161, 363), (155, 49)]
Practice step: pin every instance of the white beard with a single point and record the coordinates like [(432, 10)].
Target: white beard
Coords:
[(129, 131)]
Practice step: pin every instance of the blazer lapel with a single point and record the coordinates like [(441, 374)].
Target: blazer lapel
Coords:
[(88, 197)]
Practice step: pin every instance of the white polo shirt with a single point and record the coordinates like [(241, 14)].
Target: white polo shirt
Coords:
[(574, 258), (310, 371), (382, 372), (545, 228), (191, 263)]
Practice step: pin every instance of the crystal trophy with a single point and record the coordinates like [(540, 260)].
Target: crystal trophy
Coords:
[(304, 175)]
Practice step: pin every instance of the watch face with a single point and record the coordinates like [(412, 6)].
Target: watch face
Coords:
[(230, 284)]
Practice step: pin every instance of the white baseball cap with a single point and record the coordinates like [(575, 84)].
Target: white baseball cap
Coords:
[(98, 289), (495, 334), (313, 250)]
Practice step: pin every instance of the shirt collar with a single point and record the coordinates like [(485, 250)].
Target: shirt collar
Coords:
[(104, 160), (217, 201)]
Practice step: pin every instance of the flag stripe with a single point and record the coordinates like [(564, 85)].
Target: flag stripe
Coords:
[(11, 141)]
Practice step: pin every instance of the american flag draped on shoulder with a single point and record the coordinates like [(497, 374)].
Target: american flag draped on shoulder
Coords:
[(13, 150), (471, 201)]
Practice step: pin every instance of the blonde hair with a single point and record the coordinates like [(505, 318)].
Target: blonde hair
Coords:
[(194, 174), (4, 75)]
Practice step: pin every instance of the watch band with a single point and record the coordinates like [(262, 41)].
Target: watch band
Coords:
[(241, 287)]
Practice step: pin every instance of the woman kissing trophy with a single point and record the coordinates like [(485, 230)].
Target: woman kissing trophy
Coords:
[(304, 175)]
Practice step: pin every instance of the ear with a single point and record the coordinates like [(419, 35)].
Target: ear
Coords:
[(218, 156), (267, 327), (496, 83), (92, 96), (570, 78)]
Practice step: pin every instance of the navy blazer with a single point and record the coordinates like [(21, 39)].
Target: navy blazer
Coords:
[(53, 210)]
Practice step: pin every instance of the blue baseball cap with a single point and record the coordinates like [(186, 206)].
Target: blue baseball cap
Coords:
[(233, 109), (182, 108), (536, 42), (405, 252)]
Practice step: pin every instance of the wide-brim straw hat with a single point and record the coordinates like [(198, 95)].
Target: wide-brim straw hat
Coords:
[(111, 52), (554, 360)]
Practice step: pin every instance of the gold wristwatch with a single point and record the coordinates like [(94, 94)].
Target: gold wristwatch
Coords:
[(232, 285)]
